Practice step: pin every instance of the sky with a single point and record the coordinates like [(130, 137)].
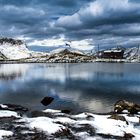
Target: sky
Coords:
[(82, 23)]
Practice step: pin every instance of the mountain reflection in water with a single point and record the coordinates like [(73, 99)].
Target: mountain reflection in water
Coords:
[(93, 87)]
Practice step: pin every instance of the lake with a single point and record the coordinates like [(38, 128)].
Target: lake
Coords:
[(91, 87)]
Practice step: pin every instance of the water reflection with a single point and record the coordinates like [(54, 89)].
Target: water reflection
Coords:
[(80, 87)]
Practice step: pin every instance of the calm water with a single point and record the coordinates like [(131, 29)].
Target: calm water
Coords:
[(93, 87)]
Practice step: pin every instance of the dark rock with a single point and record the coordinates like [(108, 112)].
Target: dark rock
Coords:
[(47, 100), (41, 114), (108, 136), (131, 107), (11, 41), (118, 117), (128, 136), (84, 128), (65, 111), (64, 133)]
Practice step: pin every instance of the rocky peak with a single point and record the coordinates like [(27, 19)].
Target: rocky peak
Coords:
[(10, 41)]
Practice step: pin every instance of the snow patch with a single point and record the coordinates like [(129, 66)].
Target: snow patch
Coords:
[(6, 113), (3, 106), (44, 124), (5, 133), (51, 111)]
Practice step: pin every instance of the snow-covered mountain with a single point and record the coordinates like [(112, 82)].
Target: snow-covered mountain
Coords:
[(132, 54), (13, 49), (61, 50)]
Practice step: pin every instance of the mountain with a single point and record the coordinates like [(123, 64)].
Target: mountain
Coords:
[(132, 54), (66, 50), (16, 50), (13, 49)]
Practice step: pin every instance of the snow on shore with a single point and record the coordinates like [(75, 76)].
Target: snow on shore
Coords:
[(7, 113), (84, 125), (54, 124), (5, 133)]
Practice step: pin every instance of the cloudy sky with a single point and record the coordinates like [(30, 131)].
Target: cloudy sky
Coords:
[(84, 23)]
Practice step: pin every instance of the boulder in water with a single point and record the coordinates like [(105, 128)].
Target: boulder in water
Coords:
[(47, 100), (122, 105)]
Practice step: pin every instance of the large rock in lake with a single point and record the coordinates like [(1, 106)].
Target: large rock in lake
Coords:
[(47, 100), (122, 105)]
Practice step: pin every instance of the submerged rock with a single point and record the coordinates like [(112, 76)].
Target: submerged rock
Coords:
[(122, 105), (47, 100)]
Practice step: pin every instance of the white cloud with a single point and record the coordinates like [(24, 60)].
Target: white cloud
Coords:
[(69, 21), (55, 42), (82, 44), (97, 11), (48, 42), (26, 10)]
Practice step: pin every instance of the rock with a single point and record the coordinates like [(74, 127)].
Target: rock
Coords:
[(128, 136), (41, 114), (64, 133), (131, 107), (109, 136), (65, 111), (118, 117), (84, 128), (47, 100)]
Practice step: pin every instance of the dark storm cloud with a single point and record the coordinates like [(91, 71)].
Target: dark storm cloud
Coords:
[(32, 17), (104, 21)]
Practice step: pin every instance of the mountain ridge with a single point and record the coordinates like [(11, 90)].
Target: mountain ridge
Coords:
[(17, 50)]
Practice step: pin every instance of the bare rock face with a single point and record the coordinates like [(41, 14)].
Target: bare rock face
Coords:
[(122, 105), (10, 41), (47, 100)]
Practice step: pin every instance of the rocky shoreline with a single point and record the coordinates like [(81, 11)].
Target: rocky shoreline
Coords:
[(17, 122)]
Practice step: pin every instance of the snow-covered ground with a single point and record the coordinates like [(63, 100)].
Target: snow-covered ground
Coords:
[(85, 126)]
